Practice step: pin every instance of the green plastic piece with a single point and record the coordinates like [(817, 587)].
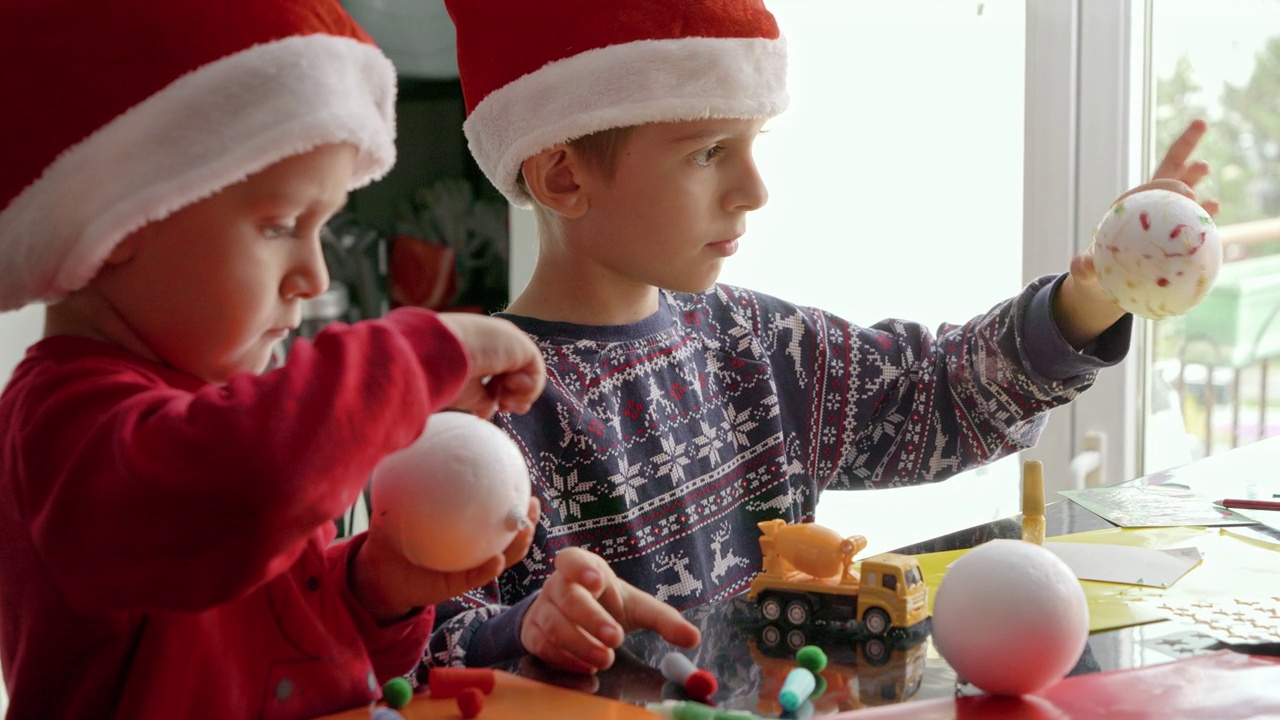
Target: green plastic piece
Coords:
[(397, 693), (811, 658)]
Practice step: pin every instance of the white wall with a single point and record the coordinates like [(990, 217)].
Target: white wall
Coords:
[(18, 330)]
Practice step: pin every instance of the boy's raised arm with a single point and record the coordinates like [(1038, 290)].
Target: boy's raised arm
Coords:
[(1081, 309)]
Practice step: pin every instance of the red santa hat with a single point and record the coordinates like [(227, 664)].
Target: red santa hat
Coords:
[(536, 73), (120, 113)]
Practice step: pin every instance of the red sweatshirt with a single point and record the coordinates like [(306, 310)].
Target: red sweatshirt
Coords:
[(165, 544)]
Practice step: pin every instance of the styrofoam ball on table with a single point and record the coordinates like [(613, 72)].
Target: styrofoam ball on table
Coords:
[(1010, 617), (1157, 253), (453, 498)]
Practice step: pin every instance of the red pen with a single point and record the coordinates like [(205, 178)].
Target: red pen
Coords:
[(1242, 504)]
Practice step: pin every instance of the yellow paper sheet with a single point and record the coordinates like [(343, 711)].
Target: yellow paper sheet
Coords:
[(1233, 566)]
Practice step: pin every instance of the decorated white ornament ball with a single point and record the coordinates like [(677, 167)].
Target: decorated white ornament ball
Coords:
[(453, 498), (1010, 617), (1157, 253)]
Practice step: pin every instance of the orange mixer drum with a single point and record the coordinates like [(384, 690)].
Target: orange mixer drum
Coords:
[(812, 549)]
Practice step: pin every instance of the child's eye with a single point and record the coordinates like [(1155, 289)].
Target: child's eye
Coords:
[(281, 231), (705, 157)]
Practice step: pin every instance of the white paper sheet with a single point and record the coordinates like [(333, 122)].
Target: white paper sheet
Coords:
[(1126, 564)]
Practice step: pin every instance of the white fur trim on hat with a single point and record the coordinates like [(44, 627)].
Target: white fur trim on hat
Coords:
[(619, 86), (208, 129)]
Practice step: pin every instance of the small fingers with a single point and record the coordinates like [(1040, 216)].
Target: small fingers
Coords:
[(1194, 173), (576, 601), (646, 612), (553, 636), (1175, 160), (1169, 184), (515, 392), (1082, 266), (464, 580)]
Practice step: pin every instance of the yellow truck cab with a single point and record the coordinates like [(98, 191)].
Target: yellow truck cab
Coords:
[(808, 575)]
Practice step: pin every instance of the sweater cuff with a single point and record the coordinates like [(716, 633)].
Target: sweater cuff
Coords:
[(441, 353), (394, 648), (1052, 357), (498, 638)]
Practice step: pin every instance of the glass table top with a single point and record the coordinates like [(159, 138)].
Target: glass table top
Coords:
[(750, 657)]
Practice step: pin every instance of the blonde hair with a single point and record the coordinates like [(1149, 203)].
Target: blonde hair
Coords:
[(599, 152)]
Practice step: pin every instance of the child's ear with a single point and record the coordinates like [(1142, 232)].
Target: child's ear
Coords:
[(123, 252), (552, 178)]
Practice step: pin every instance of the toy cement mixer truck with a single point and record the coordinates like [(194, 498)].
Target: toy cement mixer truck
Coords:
[(808, 575)]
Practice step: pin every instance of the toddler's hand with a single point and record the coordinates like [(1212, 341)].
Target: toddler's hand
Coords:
[(507, 372), (584, 610), (389, 586)]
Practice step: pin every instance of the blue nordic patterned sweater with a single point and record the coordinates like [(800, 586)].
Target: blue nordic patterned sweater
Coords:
[(661, 444)]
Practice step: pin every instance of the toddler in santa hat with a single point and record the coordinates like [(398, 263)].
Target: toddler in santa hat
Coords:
[(166, 505), (678, 413)]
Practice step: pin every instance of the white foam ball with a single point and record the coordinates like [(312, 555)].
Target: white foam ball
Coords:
[(1010, 617), (453, 498), (1157, 253)]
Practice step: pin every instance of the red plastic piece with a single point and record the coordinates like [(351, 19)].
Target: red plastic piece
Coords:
[(470, 702), (450, 682), (701, 685)]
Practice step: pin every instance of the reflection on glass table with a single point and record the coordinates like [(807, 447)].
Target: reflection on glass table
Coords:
[(750, 656)]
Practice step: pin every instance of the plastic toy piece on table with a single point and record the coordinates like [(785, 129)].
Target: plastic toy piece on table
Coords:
[(686, 710), (811, 658), (397, 692), (1033, 502), (446, 682), (796, 689), (698, 684), (517, 698), (859, 674), (470, 702), (808, 575), (385, 713)]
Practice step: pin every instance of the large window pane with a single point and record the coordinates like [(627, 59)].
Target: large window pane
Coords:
[(1213, 381), (896, 191)]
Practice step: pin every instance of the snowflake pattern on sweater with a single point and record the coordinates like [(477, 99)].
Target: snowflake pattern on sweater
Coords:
[(660, 445)]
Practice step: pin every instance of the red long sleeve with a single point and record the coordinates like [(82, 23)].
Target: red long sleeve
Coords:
[(130, 491)]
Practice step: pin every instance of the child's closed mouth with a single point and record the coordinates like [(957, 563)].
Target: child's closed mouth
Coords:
[(725, 247)]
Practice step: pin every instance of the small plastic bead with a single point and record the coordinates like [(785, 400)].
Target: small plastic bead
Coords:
[(811, 658), (470, 702), (698, 684), (446, 682), (397, 693)]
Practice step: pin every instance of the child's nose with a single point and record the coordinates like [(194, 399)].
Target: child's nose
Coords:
[(750, 192), (309, 276)]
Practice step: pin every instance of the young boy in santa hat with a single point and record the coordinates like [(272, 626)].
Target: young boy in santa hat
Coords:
[(679, 413), (166, 506)]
